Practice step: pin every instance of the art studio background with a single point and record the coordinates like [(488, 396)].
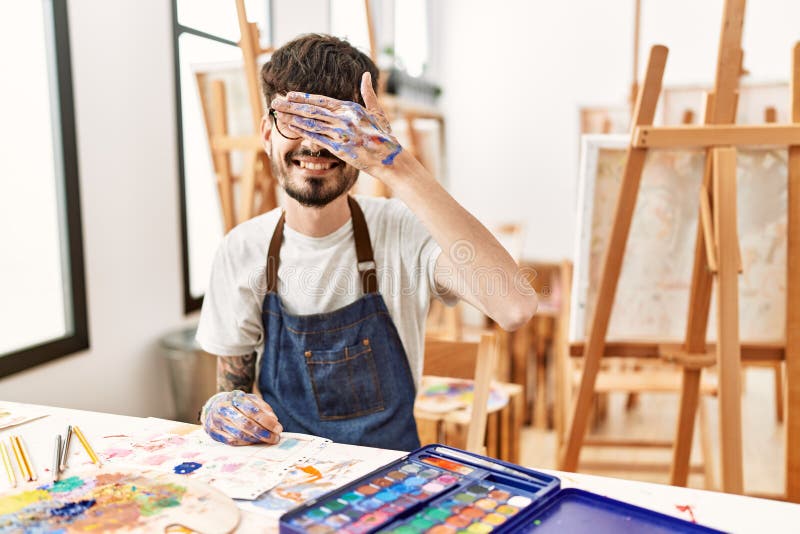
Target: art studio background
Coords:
[(519, 82)]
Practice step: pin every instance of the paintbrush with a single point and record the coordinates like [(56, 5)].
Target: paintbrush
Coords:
[(56, 457), (12, 478), (65, 450), (85, 443)]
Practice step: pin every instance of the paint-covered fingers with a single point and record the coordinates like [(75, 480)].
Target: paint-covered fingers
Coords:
[(220, 430), (368, 94), (253, 408), (225, 422), (309, 111), (316, 100)]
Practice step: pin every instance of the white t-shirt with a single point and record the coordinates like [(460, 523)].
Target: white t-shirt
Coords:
[(318, 275)]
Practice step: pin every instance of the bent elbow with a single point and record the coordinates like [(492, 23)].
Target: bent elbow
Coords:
[(519, 314)]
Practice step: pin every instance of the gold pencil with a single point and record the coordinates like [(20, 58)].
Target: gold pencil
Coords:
[(27, 458), (23, 469), (12, 478), (86, 446)]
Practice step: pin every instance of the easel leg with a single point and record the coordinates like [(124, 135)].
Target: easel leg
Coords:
[(728, 346), (612, 265), (682, 450), (793, 304)]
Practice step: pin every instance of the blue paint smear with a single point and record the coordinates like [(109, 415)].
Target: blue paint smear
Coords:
[(263, 433), (73, 509), (288, 444), (216, 436), (186, 467), (388, 160)]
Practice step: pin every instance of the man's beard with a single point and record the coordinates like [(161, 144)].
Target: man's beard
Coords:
[(311, 191)]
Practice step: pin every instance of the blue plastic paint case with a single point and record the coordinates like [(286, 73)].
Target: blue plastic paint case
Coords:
[(440, 490)]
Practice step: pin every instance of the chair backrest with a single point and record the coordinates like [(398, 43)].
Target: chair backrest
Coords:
[(466, 360)]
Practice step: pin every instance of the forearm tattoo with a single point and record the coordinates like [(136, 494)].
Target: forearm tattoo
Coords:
[(236, 372)]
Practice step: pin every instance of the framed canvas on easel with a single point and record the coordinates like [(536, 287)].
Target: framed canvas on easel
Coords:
[(717, 263)]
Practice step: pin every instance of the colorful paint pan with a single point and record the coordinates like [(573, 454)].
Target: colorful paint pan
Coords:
[(436, 490), (450, 465), (369, 504), (469, 509)]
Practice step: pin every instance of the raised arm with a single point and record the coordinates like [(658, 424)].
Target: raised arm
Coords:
[(473, 265)]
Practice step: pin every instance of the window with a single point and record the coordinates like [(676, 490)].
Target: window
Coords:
[(205, 38), (43, 306)]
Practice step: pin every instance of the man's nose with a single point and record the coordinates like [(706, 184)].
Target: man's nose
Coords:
[(313, 146)]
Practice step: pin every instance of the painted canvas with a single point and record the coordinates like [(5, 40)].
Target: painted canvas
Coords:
[(239, 472), (653, 291), (112, 500)]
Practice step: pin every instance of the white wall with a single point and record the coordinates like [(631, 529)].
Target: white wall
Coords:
[(515, 72), (125, 114)]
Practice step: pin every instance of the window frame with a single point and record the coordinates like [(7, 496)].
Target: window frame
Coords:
[(78, 339), (190, 302)]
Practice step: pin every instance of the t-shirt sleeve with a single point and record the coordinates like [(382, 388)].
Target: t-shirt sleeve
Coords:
[(422, 251), (230, 321)]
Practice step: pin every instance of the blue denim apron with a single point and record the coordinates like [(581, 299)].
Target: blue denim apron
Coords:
[(343, 375)]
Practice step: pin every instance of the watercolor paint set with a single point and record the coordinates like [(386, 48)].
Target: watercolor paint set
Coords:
[(443, 490)]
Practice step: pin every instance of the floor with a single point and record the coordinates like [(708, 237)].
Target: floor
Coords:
[(654, 418)]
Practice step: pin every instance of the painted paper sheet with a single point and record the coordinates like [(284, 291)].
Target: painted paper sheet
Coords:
[(12, 414), (239, 472), (331, 467), (653, 292)]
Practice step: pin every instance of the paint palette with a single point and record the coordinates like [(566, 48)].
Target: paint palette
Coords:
[(442, 490), (112, 500)]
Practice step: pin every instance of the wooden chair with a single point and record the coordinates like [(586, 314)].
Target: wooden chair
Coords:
[(463, 360)]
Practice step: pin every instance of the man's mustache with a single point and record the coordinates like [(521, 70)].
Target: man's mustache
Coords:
[(304, 152)]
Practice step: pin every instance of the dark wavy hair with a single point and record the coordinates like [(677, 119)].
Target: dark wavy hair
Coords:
[(318, 64)]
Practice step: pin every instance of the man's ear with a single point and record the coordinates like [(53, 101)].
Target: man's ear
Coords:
[(266, 133)]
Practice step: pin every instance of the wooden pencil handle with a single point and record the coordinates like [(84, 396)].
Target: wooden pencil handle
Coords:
[(85, 443)]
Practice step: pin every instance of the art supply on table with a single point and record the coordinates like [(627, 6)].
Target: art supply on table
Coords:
[(18, 457), (27, 458), (57, 457), (439, 489), (12, 478), (117, 500), (19, 454), (87, 447), (65, 448)]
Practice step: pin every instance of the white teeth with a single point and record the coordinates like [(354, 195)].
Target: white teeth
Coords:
[(315, 166)]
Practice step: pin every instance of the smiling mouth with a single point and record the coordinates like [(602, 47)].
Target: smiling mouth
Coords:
[(316, 164)]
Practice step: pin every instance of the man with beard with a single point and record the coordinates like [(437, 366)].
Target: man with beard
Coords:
[(327, 297)]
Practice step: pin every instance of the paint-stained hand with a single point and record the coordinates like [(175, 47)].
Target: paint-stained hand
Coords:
[(361, 136), (238, 418)]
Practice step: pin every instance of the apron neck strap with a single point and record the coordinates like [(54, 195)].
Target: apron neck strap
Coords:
[(364, 254), (274, 254)]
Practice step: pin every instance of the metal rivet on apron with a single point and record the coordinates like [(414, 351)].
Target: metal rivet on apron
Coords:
[(366, 342), (308, 354)]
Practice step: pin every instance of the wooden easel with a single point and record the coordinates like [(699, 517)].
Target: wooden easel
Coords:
[(256, 176), (716, 261)]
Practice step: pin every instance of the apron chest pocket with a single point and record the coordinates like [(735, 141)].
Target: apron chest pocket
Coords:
[(345, 381)]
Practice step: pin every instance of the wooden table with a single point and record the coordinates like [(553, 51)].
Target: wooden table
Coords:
[(718, 510)]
